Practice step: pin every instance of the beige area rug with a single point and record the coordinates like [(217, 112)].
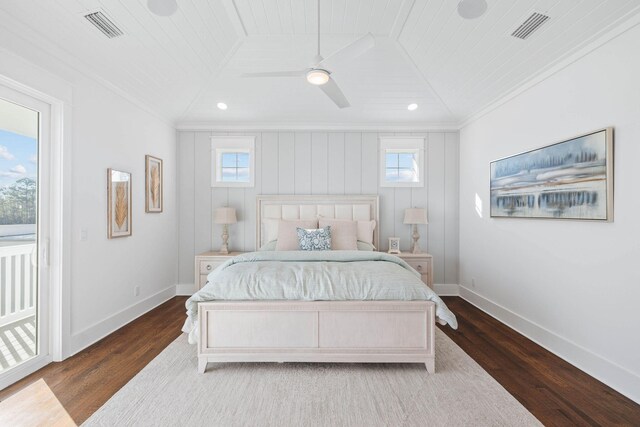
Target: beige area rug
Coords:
[(169, 392)]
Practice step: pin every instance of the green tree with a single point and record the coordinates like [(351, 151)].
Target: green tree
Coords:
[(18, 202)]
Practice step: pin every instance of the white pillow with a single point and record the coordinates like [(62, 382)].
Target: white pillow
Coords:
[(343, 233), (269, 229), (364, 246), (365, 231), (269, 246), (288, 235)]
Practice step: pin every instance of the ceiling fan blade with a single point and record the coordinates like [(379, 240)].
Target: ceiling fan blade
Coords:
[(277, 74), (350, 51), (332, 90)]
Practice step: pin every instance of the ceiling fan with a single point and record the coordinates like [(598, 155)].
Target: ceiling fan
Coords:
[(318, 74)]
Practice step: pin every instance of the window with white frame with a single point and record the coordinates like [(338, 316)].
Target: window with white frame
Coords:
[(232, 161), (401, 161)]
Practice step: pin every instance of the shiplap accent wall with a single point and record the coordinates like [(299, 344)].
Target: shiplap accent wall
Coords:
[(319, 162)]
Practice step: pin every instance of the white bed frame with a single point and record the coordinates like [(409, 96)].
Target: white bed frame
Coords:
[(316, 331)]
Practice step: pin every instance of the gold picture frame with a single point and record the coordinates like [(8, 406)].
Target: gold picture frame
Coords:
[(119, 222), (154, 185)]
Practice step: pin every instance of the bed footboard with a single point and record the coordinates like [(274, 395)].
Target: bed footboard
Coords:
[(318, 331)]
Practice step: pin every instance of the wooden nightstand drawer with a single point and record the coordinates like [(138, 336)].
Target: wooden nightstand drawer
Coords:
[(206, 262), (421, 267), (422, 263), (202, 281), (207, 267)]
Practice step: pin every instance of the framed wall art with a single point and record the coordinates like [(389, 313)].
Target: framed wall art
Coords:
[(119, 222), (572, 179), (153, 185)]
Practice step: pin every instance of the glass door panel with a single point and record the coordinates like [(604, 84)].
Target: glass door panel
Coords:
[(20, 339)]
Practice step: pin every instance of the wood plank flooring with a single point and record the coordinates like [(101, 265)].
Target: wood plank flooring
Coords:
[(557, 393), (84, 382)]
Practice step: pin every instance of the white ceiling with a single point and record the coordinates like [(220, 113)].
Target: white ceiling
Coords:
[(425, 53)]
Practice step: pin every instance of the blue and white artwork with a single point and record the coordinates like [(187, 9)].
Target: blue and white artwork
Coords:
[(568, 180)]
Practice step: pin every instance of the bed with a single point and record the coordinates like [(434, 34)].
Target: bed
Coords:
[(345, 306)]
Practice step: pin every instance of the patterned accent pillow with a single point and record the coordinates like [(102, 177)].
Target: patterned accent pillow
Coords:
[(318, 239)]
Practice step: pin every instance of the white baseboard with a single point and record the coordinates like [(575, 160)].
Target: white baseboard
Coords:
[(613, 375), (185, 289), (446, 289), (84, 338)]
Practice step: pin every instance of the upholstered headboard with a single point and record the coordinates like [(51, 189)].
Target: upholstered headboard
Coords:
[(356, 207)]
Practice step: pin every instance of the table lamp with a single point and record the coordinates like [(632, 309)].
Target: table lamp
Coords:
[(225, 216), (415, 216)]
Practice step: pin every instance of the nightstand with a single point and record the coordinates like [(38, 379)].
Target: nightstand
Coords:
[(422, 263), (206, 262)]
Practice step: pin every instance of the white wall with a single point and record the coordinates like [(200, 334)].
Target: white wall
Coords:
[(319, 162), (572, 286), (103, 129), (109, 131)]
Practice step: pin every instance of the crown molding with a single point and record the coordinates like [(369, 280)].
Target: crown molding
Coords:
[(283, 126), (622, 25)]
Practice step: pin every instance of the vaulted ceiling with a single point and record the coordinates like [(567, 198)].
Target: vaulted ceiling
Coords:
[(182, 66)]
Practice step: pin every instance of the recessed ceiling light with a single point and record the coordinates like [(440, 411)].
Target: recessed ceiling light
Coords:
[(412, 107), (472, 9), (222, 106)]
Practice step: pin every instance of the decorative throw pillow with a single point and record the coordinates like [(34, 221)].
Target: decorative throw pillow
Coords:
[(318, 239), (269, 246), (365, 230), (270, 229), (343, 233), (364, 246), (287, 235)]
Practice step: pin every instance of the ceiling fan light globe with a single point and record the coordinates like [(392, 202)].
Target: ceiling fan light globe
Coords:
[(162, 7), (318, 77), (472, 9)]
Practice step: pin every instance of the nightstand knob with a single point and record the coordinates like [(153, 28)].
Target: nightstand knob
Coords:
[(208, 267), (419, 268)]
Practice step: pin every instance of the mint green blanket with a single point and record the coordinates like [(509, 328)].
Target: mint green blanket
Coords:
[(315, 276)]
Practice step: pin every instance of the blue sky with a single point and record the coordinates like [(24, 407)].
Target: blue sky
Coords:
[(18, 156)]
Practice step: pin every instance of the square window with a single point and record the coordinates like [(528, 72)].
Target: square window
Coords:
[(401, 162), (229, 160), (232, 161)]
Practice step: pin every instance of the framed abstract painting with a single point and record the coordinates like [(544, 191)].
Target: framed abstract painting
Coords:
[(572, 179), (118, 204)]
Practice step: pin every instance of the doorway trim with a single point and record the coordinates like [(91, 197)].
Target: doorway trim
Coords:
[(59, 244)]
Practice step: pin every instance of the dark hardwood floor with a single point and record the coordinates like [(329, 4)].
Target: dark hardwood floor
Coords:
[(84, 382), (557, 393)]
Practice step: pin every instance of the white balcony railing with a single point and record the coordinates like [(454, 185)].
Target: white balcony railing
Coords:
[(18, 276)]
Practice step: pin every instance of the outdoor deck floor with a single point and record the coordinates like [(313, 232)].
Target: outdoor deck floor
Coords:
[(17, 342)]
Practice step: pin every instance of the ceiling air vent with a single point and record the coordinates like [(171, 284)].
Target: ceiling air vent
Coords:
[(104, 24), (532, 23)]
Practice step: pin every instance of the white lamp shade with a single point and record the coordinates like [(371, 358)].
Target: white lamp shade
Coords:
[(415, 216), (225, 216)]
